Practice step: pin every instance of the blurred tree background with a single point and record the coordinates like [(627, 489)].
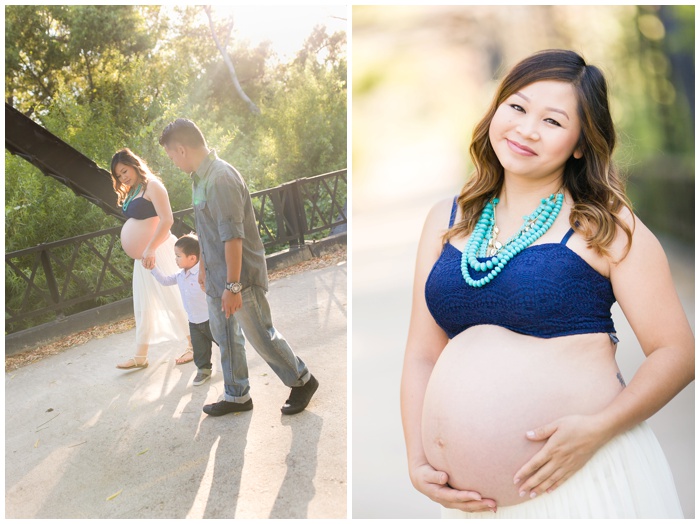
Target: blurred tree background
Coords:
[(423, 76), (106, 77)]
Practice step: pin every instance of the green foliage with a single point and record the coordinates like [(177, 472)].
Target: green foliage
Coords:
[(38, 209), (304, 131), (35, 55), (106, 77)]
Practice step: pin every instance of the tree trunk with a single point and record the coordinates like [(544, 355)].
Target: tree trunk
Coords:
[(227, 60)]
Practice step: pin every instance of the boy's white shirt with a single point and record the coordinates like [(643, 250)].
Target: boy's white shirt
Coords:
[(193, 298)]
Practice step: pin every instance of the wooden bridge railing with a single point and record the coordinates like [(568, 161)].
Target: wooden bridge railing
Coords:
[(53, 280)]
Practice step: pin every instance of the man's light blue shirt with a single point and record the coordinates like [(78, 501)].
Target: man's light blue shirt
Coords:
[(223, 210)]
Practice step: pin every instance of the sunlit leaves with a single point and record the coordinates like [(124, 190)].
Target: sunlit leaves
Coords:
[(106, 77)]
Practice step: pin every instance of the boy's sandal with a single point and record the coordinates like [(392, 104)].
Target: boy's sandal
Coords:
[(180, 360), (133, 364)]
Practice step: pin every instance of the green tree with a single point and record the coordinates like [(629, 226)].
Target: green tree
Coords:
[(35, 55), (305, 125), (106, 77)]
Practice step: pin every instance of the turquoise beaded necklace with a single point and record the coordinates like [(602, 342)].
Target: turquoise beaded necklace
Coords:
[(482, 241), (130, 196)]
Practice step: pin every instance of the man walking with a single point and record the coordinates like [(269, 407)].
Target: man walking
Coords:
[(233, 273)]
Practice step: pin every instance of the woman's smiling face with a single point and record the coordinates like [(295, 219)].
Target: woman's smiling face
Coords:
[(126, 174), (536, 129)]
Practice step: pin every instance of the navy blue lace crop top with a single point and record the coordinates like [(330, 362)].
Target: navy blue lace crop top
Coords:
[(545, 291), (140, 208)]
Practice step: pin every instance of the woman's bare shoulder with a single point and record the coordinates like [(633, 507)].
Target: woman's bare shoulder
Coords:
[(155, 186), (436, 225), (439, 214), (642, 237)]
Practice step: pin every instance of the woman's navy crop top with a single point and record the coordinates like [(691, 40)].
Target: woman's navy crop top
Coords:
[(140, 208), (545, 291)]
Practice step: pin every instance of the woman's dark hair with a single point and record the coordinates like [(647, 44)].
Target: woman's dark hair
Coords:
[(182, 131), (592, 180), (189, 244)]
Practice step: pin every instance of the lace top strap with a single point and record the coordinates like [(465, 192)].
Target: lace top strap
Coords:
[(568, 234), (454, 212)]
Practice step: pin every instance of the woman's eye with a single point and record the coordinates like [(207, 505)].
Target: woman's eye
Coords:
[(517, 107), (552, 121)]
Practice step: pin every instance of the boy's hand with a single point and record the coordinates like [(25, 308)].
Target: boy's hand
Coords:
[(148, 259), (202, 278)]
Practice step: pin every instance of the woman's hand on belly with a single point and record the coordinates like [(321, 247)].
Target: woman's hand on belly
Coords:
[(434, 484), (571, 442)]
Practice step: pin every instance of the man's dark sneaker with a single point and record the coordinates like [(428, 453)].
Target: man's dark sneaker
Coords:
[(202, 376), (224, 407), (300, 397)]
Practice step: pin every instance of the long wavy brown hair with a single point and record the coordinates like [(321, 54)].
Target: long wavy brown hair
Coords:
[(593, 181), (128, 158)]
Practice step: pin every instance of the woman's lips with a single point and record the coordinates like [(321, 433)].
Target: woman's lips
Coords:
[(520, 149)]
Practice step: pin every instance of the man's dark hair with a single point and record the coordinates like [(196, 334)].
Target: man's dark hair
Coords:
[(184, 132), (189, 244)]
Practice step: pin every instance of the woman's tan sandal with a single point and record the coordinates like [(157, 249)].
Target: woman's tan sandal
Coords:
[(182, 359), (132, 363)]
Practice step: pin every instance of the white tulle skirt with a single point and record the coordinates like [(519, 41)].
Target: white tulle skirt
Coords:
[(158, 310), (629, 477)]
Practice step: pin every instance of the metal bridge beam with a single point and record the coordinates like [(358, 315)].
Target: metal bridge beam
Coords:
[(55, 158)]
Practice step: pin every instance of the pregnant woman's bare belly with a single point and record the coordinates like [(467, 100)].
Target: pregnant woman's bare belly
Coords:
[(136, 234), (491, 385)]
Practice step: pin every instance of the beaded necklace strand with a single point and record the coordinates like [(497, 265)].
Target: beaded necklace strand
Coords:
[(130, 196), (483, 243)]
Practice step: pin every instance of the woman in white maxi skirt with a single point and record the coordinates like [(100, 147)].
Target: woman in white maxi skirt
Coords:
[(146, 237)]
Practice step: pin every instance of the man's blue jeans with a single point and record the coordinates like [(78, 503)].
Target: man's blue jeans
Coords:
[(255, 320)]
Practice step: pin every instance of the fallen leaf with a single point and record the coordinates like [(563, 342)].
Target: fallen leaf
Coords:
[(142, 452), (49, 410), (36, 444), (115, 495)]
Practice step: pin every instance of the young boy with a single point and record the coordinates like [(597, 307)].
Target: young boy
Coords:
[(194, 300)]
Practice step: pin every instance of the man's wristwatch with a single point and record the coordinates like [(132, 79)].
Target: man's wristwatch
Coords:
[(234, 287)]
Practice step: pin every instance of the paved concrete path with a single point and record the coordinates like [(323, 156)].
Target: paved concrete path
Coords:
[(386, 228), (85, 440)]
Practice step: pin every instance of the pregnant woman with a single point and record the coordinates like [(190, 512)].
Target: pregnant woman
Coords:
[(146, 237), (512, 402)]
